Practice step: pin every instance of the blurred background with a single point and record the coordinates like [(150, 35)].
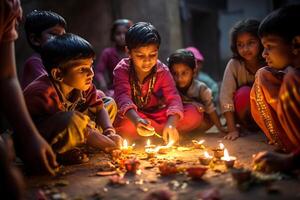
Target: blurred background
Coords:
[(204, 24)]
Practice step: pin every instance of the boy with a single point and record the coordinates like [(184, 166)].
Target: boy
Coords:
[(40, 26), (68, 99), (275, 96)]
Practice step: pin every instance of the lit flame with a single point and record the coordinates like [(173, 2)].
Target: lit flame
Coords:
[(167, 146), (125, 144), (221, 145), (148, 142), (207, 155), (201, 141), (226, 155)]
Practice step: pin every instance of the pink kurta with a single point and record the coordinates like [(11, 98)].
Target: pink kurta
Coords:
[(164, 101)]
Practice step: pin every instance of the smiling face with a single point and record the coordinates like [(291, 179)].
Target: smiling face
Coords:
[(277, 52), (248, 46), (183, 75), (144, 58), (78, 74)]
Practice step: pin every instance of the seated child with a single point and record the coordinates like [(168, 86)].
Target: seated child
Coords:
[(183, 68), (145, 91), (111, 56), (40, 26), (239, 77), (202, 76), (275, 96), (64, 104)]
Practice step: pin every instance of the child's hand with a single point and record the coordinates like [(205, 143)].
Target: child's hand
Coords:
[(272, 162), (144, 127), (171, 133), (117, 139), (100, 141), (233, 135)]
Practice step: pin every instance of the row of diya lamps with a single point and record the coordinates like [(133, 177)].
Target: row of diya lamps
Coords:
[(167, 168)]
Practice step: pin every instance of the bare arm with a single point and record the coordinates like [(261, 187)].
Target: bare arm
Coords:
[(37, 153)]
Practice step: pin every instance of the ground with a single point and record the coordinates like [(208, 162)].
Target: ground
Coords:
[(81, 181)]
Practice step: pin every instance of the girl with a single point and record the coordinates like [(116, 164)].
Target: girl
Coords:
[(145, 91), (111, 56), (239, 76), (275, 96), (183, 67)]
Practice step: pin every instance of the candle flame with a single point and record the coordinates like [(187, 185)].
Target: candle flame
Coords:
[(206, 155), (148, 142), (133, 145), (226, 155), (221, 145), (201, 141), (125, 144)]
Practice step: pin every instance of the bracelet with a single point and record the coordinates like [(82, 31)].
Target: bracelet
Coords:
[(109, 131)]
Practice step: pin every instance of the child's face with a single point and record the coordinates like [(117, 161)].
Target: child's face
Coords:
[(49, 33), (183, 75), (119, 35), (248, 46), (277, 52), (144, 58), (78, 74)]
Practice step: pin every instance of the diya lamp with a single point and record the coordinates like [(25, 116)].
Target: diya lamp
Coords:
[(132, 165), (151, 153), (206, 159), (149, 145), (196, 172), (228, 160), (219, 151), (167, 168), (198, 144), (126, 149), (164, 149)]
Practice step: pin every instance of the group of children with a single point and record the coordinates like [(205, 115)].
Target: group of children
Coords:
[(150, 98)]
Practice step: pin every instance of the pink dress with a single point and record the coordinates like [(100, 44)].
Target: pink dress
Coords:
[(164, 101)]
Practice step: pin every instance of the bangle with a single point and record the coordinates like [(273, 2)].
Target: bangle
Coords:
[(109, 131)]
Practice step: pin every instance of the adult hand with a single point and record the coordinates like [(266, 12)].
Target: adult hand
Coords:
[(38, 156), (116, 138), (144, 128), (170, 133), (233, 135), (272, 162)]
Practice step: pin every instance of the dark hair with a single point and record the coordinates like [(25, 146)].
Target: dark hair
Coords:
[(119, 22), (182, 56), (141, 34), (281, 22), (62, 49), (39, 20), (244, 26)]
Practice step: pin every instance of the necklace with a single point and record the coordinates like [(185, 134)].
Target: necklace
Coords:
[(136, 91)]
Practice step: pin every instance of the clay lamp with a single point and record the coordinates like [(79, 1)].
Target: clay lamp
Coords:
[(164, 149), (149, 145), (228, 160), (205, 159), (132, 165), (126, 149), (151, 153), (196, 172), (168, 168), (198, 144), (219, 151), (241, 175)]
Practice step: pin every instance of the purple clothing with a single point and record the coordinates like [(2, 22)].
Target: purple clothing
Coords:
[(107, 63), (33, 68), (164, 95), (44, 99)]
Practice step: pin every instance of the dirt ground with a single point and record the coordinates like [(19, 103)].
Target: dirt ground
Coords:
[(82, 182)]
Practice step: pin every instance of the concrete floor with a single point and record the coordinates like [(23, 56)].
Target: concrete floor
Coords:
[(81, 181)]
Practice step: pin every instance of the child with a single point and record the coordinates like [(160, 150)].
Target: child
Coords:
[(145, 91), (275, 96), (202, 76), (68, 99), (239, 77), (111, 56), (40, 26), (183, 67)]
